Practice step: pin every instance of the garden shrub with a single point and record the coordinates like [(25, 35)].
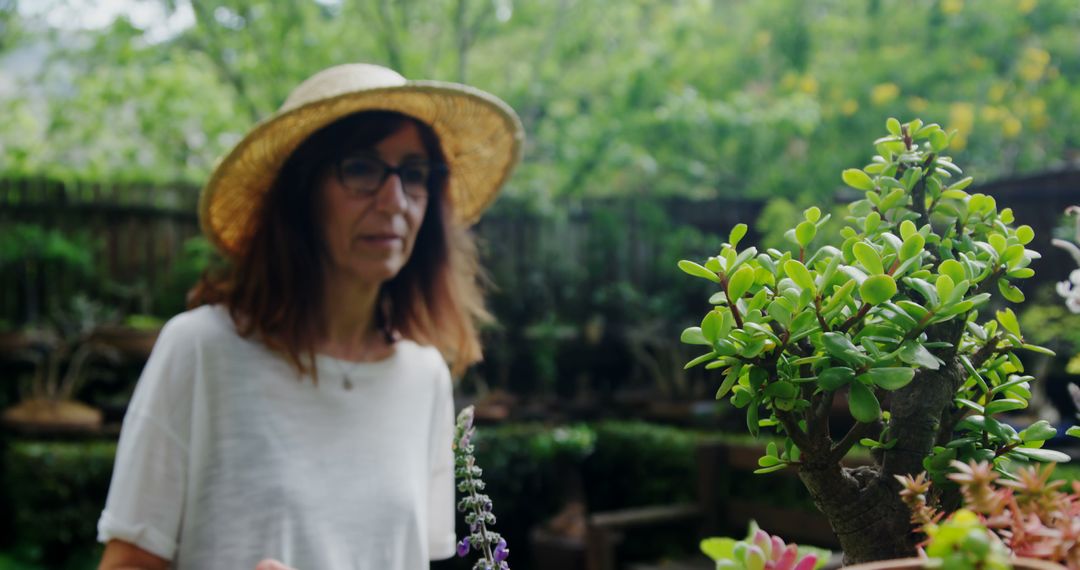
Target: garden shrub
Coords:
[(56, 492)]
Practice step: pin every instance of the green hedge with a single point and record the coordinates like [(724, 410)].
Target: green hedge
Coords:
[(57, 489)]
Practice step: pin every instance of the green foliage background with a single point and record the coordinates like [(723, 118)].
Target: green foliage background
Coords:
[(691, 97)]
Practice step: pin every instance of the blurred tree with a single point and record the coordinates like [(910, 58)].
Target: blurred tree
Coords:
[(692, 97)]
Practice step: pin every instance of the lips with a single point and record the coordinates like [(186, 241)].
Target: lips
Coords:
[(382, 240)]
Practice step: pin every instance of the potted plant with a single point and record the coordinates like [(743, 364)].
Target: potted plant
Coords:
[(61, 366), (894, 319), (762, 551)]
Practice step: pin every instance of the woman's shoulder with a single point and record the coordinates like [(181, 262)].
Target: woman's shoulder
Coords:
[(208, 324), (423, 355)]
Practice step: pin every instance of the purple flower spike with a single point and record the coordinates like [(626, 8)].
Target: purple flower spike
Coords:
[(501, 551), (463, 547)]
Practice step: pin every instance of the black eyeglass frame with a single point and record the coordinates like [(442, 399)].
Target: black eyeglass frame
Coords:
[(437, 172)]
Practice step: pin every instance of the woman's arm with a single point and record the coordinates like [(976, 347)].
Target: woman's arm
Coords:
[(121, 555)]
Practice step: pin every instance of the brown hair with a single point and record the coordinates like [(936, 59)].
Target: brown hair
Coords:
[(274, 288)]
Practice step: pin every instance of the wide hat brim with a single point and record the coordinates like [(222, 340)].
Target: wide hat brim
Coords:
[(480, 135)]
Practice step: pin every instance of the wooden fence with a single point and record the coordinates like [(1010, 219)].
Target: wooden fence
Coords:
[(132, 232), (135, 233)]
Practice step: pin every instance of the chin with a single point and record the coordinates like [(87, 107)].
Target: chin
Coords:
[(378, 272)]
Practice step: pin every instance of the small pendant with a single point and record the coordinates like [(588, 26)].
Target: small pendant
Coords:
[(347, 383)]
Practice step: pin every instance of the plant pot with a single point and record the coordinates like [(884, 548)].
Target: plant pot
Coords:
[(52, 415), (918, 563)]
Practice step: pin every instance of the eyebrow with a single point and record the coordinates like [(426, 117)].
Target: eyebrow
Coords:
[(370, 153)]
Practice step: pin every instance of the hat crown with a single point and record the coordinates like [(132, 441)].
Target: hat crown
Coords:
[(342, 79)]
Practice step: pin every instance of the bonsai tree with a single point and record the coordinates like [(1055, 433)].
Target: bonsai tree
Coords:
[(897, 320)]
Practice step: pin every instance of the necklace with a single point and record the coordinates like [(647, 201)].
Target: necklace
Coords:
[(347, 375)]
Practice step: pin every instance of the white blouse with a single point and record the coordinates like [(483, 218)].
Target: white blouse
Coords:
[(228, 457)]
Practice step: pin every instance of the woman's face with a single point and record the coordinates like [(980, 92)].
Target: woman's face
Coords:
[(370, 223)]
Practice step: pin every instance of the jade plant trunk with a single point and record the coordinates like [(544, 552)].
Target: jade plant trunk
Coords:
[(905, 316)]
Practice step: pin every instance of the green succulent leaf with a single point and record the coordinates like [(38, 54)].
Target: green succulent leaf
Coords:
[(700, 360), (893, 126), (805, 232), (693, 335), (839, 346), (916, 354), (877, 289), (799, 274), (863, 404), (740, 282), (953, 269), (868, 257), (913, 245), (889, 378), (832, 379), (782, 389), (770, 469), (1004, 405), (1025, 234), (1009, 291), (1038, 431), (1008, 320), (697, 270), (857, 179), (970, 405), (939, 141), (719, 549), (736, 234), (1042, 455)]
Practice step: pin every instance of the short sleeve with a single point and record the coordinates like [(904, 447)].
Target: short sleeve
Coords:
[(441, 511), (146, 497)]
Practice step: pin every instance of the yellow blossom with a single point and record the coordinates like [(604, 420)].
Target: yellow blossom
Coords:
[(996, 93), (1036, 106), (761, 40), (1033, 63), (808, 84), (884, 93), (1011, 127), (951, 7), (1026, 6), (992, 113), (961, 118), (917, 104), (849, 107)]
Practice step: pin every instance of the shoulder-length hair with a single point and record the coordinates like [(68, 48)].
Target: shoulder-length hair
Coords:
[(274, 289)]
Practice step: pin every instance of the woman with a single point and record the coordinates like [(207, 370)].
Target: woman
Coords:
[(301, 415)]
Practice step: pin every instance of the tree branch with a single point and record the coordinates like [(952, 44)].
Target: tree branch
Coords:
[(213, 50), (791, 426), (918, 192), (865, 308), (857, 432)]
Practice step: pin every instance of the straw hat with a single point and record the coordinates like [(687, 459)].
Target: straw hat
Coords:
[(480, 135)]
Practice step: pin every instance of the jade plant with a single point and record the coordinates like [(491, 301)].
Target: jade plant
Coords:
[(898, 320)]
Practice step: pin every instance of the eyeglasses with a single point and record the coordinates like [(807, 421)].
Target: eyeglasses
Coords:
[(364, 175)]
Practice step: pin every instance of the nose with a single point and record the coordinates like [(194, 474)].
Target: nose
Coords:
[(395, 200)]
